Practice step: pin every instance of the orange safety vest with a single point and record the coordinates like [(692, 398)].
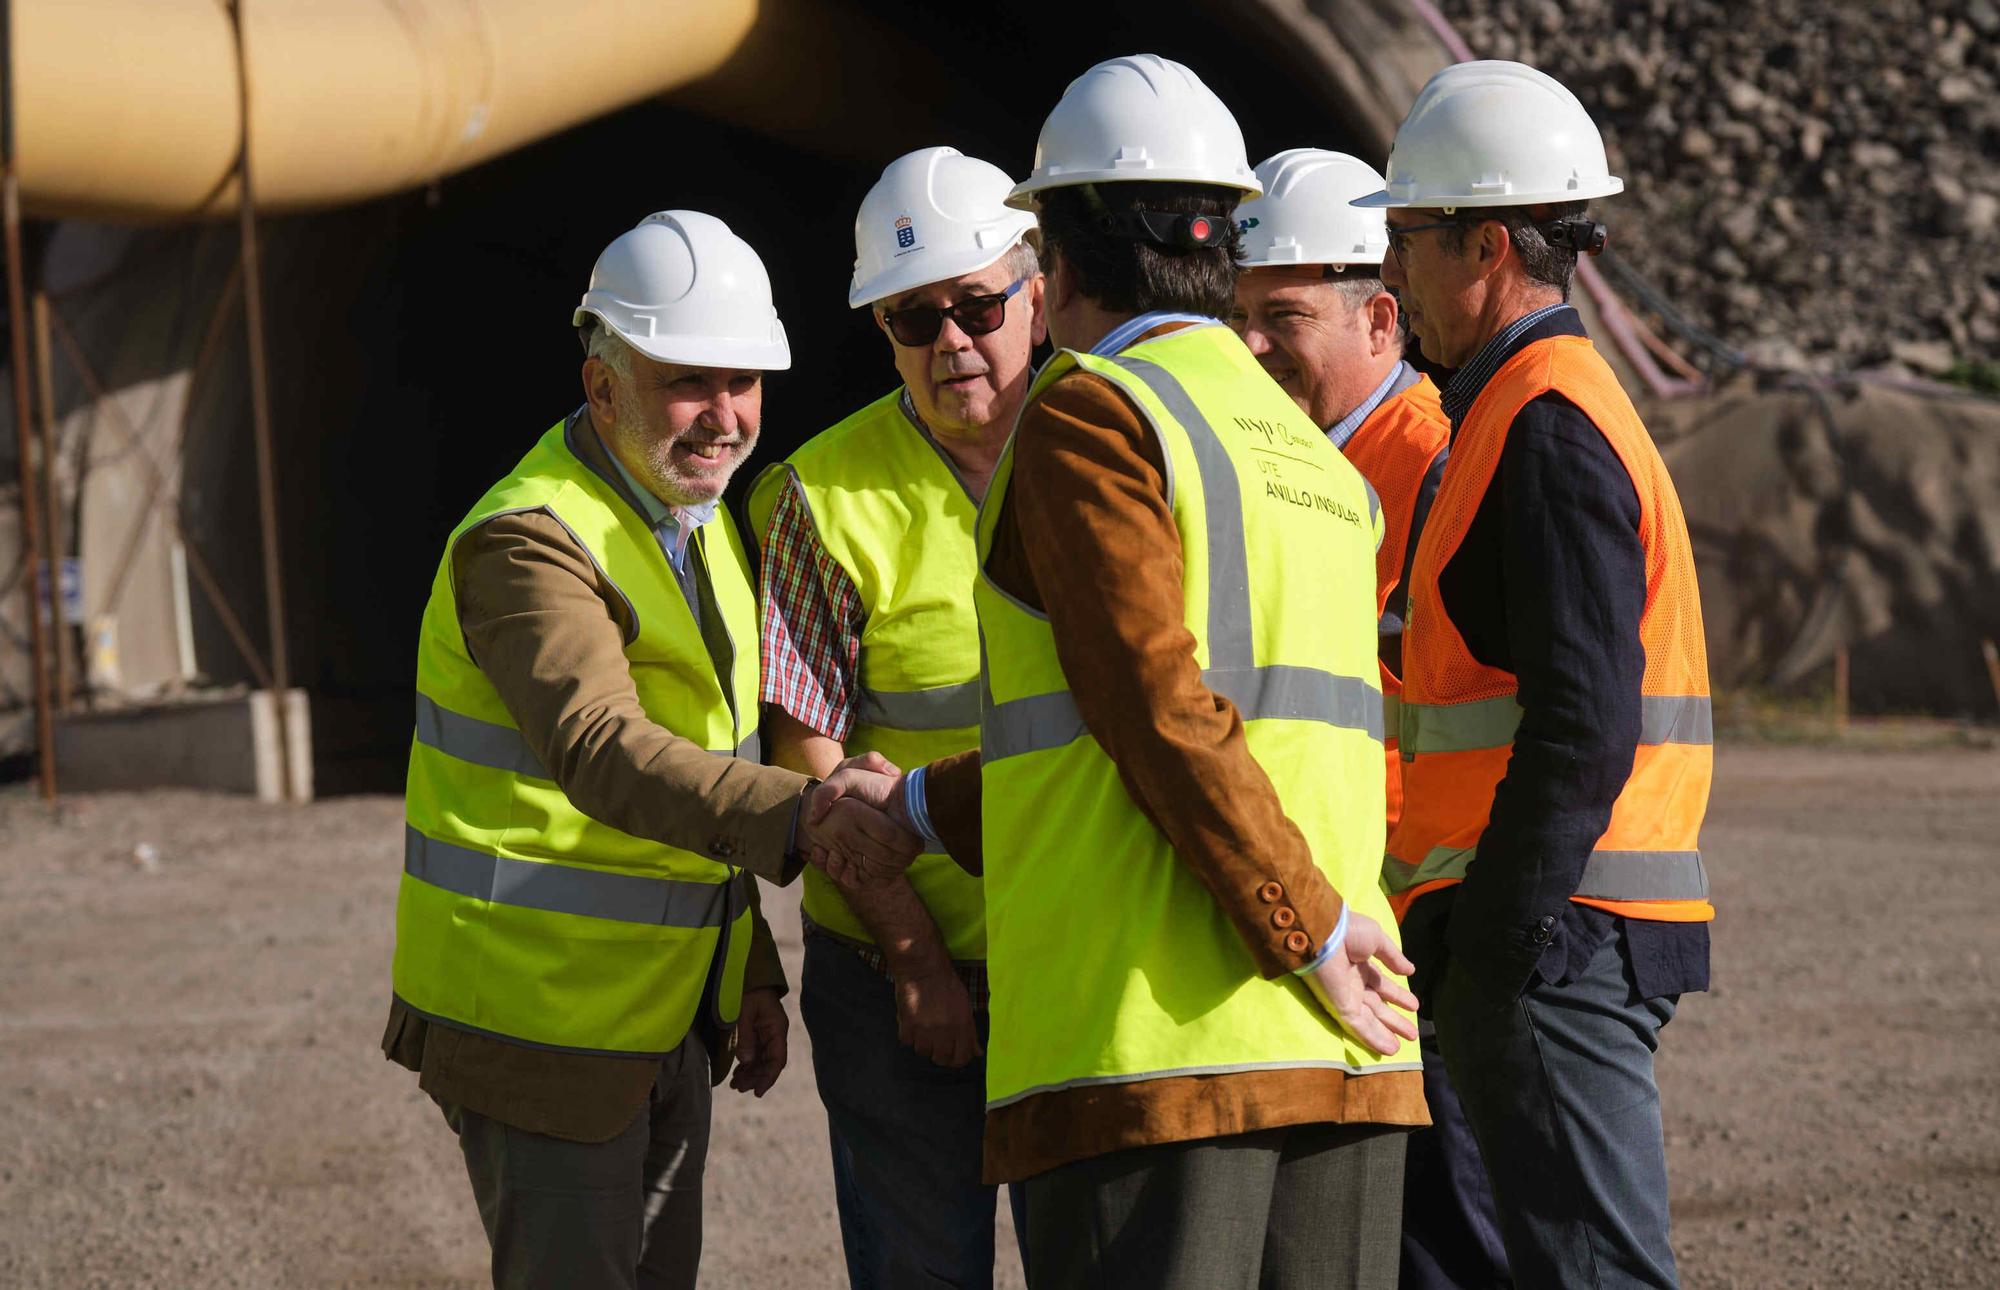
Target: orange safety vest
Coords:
[(1393, 449), (1459, 716)]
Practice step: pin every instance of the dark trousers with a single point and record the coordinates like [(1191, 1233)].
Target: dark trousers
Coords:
[(1451, 1233), (617, 1215), (1557, 1084), (906, 1135), (1314, 1207)]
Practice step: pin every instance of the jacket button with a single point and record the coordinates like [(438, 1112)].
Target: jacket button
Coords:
[(1270, 892), (1545, 930), (1296, 942), (1283, 916), (721, 848)]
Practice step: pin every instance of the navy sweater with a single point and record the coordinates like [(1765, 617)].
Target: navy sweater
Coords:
[(1549, 585)]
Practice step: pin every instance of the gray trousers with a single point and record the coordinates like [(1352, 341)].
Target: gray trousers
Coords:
[(1557, 1083), (1313, 1207), (617, 1215)]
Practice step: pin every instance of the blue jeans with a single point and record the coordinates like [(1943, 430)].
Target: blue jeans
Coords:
[(1557, 1084), (905, 1133)]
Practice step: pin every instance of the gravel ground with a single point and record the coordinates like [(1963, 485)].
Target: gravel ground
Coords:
[(192, 987)]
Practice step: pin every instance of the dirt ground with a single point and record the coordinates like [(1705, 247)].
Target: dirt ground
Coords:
[(191, 990)]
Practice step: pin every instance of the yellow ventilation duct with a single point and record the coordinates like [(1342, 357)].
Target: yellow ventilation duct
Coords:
[(130, 109)]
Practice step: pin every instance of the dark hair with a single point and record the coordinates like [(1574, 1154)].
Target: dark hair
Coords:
[(1130, 275), (1552, 266)]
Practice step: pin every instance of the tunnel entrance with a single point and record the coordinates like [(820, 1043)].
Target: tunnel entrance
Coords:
[(420, 342)]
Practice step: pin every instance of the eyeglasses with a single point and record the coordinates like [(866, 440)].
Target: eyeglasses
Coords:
[(975, 316), (1400, 247)]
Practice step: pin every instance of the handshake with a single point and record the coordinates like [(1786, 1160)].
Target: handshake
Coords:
[(853, 826)]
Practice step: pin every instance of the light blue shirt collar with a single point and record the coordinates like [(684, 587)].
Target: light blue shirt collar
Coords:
[(1130, 330), (1401, 375), (670, 525)]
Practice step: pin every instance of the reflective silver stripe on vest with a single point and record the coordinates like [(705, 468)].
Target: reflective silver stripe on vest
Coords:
[(562, 889), (1490, 723), (1392, 715), (1644, 875), (1459, 727), (1229, 642), (1676, 719), (1279, 692), (1034, 724), (500, 747), (480, 742), (1230, 1068), (944, 707), (1607, 875)]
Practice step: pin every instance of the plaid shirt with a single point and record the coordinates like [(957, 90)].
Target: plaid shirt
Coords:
[(811, 636), (813, 618)]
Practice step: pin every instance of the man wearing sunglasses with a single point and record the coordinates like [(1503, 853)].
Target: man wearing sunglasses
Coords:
[(1556, 724), (1201, 1067), (871, 645)]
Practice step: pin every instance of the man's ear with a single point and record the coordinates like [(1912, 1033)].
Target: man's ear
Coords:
[(1385, 334), (1492, 246), (598, 388), (1059, 279), (1038, 324)]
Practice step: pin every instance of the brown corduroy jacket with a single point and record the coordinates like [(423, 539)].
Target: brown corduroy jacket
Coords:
[(549, 629), (1087, 535)]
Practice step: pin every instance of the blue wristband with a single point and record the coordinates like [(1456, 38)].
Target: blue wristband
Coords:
[(917, 807), (1328, 950)]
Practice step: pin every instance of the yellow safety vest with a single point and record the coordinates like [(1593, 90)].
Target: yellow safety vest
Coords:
[(519, 915), (1110, 961), (891, 512)]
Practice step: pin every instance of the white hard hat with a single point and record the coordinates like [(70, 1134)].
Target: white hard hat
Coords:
[(682, 288), (1304, 217), (934, 215), (1495, 134), (1138, 118)]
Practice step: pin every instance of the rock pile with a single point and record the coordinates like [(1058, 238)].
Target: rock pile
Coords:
[(1818, 184), (1851, 515)]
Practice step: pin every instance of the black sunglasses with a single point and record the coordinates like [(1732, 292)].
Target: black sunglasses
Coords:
[(975, 316)]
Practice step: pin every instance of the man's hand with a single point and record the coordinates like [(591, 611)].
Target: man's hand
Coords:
[(934, 1016), (869, 777), (1359, 995), (852, 825), (761, 1047)]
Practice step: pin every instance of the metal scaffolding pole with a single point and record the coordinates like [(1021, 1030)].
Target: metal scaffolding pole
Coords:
[(17, 318), (260, 418), (45, 381)]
